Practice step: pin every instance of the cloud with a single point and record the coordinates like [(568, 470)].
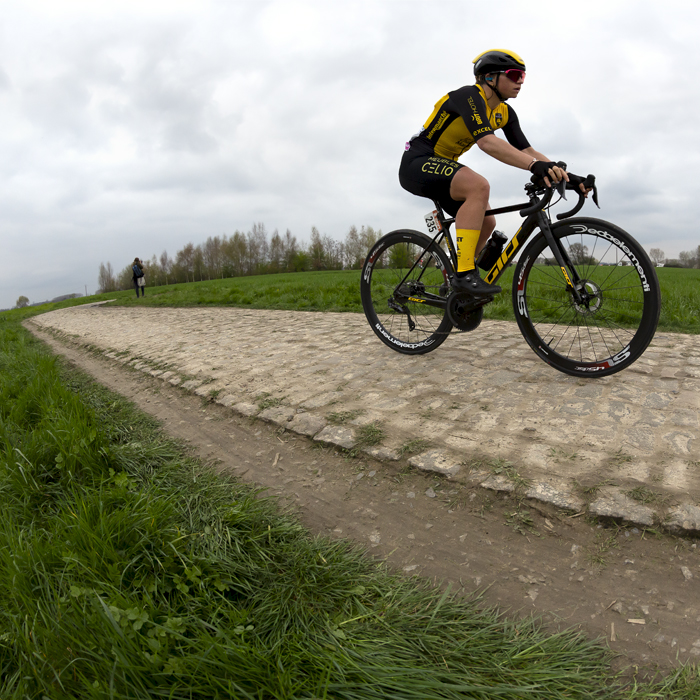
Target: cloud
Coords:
[(133, 127)]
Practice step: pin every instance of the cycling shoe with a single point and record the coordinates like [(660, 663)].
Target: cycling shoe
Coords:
[(473, 284)]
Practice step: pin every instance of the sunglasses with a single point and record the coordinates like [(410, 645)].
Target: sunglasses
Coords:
[(514, 74)]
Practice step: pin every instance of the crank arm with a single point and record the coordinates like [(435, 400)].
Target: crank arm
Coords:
[(472, 303)]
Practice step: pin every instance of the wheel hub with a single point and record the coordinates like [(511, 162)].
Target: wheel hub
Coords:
[(591, 298), (409, 289)]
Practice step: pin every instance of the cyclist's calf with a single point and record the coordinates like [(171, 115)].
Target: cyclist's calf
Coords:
[(473, 189)]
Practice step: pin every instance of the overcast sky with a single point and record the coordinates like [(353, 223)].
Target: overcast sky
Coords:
[(130, 127)]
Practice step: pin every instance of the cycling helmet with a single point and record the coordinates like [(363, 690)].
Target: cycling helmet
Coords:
[(496, 61)]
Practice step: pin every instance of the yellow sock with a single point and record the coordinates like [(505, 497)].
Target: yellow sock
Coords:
[(466, 247)]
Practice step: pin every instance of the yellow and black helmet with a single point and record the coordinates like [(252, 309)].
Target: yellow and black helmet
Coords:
[(496, 61)]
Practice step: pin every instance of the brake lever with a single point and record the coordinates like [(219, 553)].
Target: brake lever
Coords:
[(561, 185), (561, 188), (589, 181)]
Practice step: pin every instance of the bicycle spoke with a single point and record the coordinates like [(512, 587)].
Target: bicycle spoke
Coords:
[(402, 288), (609, 308)]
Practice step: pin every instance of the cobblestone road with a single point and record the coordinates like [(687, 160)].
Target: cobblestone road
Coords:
[(483, 405)]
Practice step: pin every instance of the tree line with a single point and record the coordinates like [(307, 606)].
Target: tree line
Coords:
[(249, 253), (687, 258)]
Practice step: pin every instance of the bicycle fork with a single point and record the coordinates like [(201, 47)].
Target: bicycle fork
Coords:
[(573, 280)]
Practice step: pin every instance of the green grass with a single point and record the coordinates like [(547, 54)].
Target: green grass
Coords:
[(129, 570), (340, 291), (343, 417), (370, 435), (302, 291), (680, 300)]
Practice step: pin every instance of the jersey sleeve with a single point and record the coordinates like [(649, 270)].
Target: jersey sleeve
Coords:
[(469, 104), (513, 132)]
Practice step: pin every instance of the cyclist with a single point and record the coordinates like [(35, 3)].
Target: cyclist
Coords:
[(463, 117)]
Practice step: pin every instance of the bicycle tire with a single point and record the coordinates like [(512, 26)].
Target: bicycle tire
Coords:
[(389, 313), (617, 322)]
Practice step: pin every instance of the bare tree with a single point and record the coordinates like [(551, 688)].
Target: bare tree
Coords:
[(198, 264), (125, 279), (334, 252), (368, 237), (152, 271), (276, 252), (317, 253), (354, 250), (657, 256), (166, 266), (185, 261), (291, 248), (106, 281), (258, 249), (235, 254), (213, 257), (688, 258), (579, 254), (251, 253)]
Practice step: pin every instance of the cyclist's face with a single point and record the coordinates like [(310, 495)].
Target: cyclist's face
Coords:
[(507, 87)]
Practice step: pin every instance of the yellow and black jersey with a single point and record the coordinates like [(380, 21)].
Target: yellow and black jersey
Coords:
[(460, 119)]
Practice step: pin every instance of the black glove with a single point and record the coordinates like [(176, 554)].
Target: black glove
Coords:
[(541, 169)]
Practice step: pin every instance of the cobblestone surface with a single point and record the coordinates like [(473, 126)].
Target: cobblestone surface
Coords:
[(482, 407)]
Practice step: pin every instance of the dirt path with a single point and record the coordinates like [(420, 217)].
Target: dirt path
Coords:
[(638, 590)]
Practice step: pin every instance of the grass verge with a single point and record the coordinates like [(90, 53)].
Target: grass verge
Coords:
[(129, 570)]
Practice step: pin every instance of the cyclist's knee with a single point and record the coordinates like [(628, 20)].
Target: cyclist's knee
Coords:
[(489, 224), (467, 184)]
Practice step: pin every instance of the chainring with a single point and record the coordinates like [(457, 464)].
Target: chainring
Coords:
[(462, 313)]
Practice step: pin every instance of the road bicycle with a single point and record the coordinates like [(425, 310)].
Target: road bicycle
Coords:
[(585, 294)]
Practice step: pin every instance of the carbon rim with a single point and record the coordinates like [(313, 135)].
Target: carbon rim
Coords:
[(616, 318), (394, 296)]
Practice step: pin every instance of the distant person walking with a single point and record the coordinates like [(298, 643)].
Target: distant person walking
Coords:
[(138, 277)]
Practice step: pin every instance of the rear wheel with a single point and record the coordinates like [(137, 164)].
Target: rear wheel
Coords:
[(405, 304), (615, 319)]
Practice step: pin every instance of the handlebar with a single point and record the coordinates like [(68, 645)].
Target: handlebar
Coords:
[(538, 187), (538, 203), (573, 184)]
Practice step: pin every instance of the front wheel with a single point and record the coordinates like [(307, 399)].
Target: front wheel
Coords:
[(404, 288), (615, 317)]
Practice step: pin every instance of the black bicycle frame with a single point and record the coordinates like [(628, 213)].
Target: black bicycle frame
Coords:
[(534, 219)]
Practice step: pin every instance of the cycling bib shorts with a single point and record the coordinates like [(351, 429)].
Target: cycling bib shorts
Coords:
[(430, 176)]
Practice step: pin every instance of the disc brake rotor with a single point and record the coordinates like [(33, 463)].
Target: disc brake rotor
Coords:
[(592, 297)]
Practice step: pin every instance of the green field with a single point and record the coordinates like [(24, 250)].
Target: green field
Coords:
[(340, 291)]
